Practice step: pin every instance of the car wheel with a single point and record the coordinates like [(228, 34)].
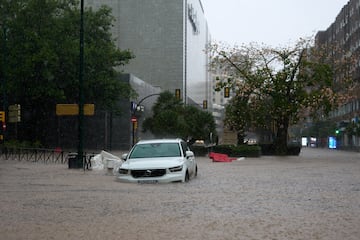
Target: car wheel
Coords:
[(187, 177)]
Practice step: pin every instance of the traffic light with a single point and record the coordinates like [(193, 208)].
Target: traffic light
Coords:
[(205, 104), (177, 94), (226, 92), (337, 131), (2, 116)]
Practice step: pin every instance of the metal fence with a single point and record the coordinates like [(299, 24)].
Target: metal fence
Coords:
[(41, 155)]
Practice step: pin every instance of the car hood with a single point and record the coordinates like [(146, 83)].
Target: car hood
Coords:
[(152, 163)]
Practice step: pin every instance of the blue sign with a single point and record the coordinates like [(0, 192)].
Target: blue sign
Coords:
[(332, 142)]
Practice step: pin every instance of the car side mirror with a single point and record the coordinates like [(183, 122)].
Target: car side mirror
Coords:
[(124, 157), (189, 154)]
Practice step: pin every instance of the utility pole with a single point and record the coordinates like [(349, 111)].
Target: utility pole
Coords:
[(4, 82), (81, 90)]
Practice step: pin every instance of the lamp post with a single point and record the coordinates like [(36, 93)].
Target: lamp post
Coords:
[(4, 80), (81, 90), (136, 107)]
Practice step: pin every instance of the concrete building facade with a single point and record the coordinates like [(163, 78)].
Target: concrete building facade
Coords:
[(168, 39), (345, 32)]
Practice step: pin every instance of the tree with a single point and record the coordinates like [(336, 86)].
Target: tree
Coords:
[(164, 122), (276, 85), (199, 124), (42, 67), (235, 117), (171, 118)]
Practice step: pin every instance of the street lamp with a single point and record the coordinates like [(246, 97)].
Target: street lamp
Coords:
[(138, 108), (4, 60)]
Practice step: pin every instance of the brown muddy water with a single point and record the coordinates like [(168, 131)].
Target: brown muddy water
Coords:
[(312, 196)]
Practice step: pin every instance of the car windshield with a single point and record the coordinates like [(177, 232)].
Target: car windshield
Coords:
[(152, 150)]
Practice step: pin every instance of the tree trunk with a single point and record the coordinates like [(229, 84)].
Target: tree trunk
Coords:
[(240, 138), (281, 137)]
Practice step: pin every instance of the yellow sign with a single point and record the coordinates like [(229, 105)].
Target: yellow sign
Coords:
[(2, 116), (73, 109)]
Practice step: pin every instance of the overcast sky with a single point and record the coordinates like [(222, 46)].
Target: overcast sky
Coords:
[(273, 22)]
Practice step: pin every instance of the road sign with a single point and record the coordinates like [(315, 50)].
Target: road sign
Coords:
[(133, 119), (73, 109)]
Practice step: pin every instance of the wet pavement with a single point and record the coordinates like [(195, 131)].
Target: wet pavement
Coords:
[(312, 196)]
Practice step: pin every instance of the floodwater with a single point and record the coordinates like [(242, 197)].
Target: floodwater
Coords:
[(312, 196)]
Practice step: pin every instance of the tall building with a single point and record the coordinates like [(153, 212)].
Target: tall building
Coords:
[(345, 32), (168, 39)]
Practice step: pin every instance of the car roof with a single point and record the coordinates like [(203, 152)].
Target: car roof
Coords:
[(166, 140)]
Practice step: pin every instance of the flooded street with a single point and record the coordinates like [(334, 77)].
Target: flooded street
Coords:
[(313, 196)]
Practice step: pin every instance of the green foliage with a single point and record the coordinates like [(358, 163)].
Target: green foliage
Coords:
[(353, 129), (166, 117), (43, 53), (199, 150), (235, 117), (171, 118), (238, 151), (270, 149), (42, 58), (24, 144), (199, 124), (321, 129)]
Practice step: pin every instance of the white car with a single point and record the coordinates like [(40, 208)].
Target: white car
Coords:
[(158, 161)]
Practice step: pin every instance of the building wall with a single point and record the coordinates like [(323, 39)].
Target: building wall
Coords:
[(197, 34), (168, 52), (168, 39), (345, 31)]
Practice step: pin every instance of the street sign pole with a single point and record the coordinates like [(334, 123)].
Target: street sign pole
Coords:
[(134, 126)]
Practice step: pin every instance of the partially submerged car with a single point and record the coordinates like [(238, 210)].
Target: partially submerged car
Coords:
[(158, 161)]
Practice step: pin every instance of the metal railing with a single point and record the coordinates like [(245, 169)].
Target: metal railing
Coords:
[(42, 155)]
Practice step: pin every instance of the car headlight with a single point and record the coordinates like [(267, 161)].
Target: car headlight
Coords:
[(176, 169), (123, 171)]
